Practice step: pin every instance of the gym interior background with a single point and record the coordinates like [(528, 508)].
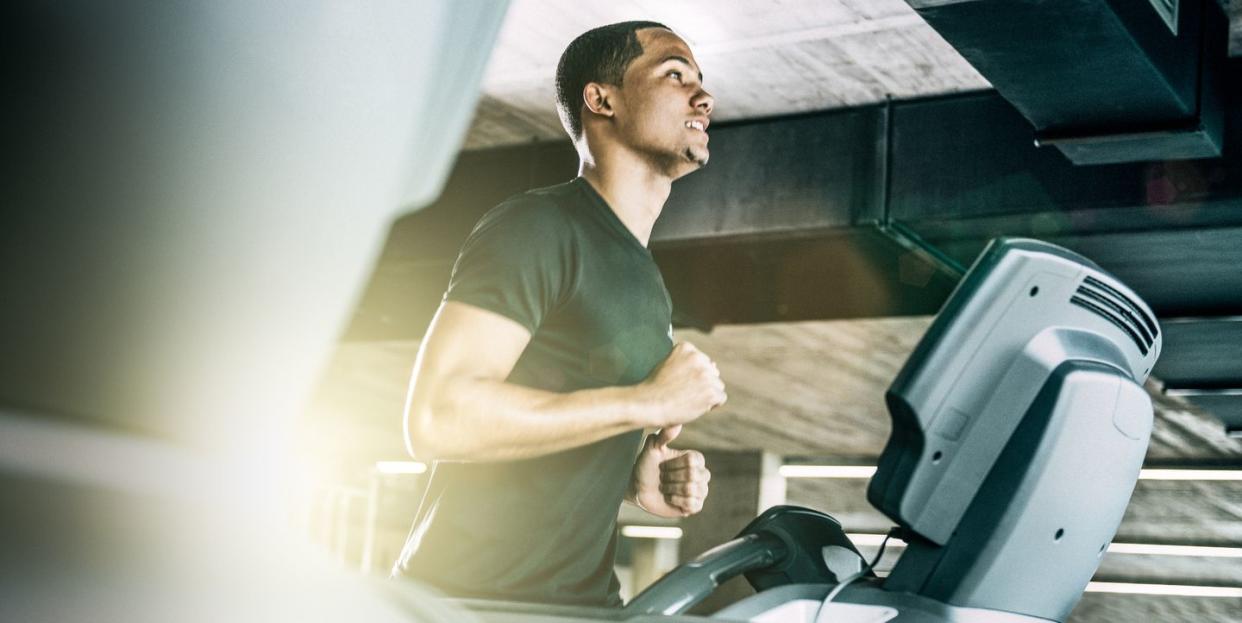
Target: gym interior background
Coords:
[(860, 162)]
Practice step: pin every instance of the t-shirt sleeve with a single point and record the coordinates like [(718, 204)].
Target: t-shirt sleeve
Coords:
[(518, 262)]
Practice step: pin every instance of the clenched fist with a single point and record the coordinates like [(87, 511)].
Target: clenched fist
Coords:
[(667, 482), (685, 386)]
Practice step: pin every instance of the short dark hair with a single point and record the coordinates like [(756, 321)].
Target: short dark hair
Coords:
[(597, 55)]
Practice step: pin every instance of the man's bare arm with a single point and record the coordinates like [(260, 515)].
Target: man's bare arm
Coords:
[(459, 406)]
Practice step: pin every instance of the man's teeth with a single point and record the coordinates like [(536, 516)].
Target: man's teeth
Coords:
[(696, 125)]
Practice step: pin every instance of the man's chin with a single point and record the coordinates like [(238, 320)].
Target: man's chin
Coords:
[(688, 161), (697, 156), (686, 165)]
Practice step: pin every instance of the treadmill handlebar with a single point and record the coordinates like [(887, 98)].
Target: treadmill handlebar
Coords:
[(688, 584)]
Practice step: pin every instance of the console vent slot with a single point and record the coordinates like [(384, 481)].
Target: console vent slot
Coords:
[(1167, 10), (1107, 302), (1134, 310)]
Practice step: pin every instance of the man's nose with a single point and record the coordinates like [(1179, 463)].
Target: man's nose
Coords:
[(704, 102)]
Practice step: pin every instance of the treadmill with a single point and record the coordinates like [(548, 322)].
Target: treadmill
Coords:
[(1020, 424)]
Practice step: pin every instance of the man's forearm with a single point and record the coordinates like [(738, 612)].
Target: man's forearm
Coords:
[(488, 420)]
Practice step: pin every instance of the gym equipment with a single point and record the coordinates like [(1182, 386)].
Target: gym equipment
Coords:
[(1022, 406)]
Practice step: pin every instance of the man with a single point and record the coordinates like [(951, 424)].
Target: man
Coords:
[(553, 347)]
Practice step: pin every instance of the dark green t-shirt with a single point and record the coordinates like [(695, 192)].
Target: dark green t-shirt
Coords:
[(558, 261)]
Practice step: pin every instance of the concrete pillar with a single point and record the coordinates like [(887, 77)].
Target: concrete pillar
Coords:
[(651, 559), (743, 485)]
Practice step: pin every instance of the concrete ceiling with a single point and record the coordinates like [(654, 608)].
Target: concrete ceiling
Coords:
[(760, 58)]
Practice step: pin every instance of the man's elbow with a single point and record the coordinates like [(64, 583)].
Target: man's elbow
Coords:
[(423, 438), (431, 433)]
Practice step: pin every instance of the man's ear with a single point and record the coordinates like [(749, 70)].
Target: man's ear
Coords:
[(596, 97)]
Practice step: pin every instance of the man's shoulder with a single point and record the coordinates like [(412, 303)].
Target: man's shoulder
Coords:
[(545, 208), (565, 191)]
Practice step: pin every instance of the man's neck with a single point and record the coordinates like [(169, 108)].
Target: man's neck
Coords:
[(631, 188)]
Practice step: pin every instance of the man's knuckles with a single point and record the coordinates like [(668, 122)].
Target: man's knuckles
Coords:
[(689, 505), (685, 502), (694, 459), (686, 475), (684, 489)]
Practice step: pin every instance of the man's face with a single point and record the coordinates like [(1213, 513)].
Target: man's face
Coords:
[(662, 109)]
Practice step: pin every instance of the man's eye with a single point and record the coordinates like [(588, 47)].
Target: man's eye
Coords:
[(675, 74)]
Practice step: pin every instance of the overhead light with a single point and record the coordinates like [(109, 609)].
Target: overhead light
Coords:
[(1164, 589), (1175, 550), (400, 467), (651, 532), (1190, 474), (1190, 392), (867, 471), (827, 471), (874, 540)]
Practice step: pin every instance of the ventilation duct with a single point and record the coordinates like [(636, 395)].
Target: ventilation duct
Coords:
[(1104, 81)]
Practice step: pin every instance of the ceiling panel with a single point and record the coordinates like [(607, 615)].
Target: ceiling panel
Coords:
[(1124, 607), (1184, 433), (1202, 352), (1234, 8), (1177, 272), (1225, 405), (759, 59), (1201, 364)]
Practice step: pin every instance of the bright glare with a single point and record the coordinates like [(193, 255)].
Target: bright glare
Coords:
[(651, 532), (873, 540), (1164, 589), (827, 471), (1175, 550), (400, 467), (1190, 474)]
